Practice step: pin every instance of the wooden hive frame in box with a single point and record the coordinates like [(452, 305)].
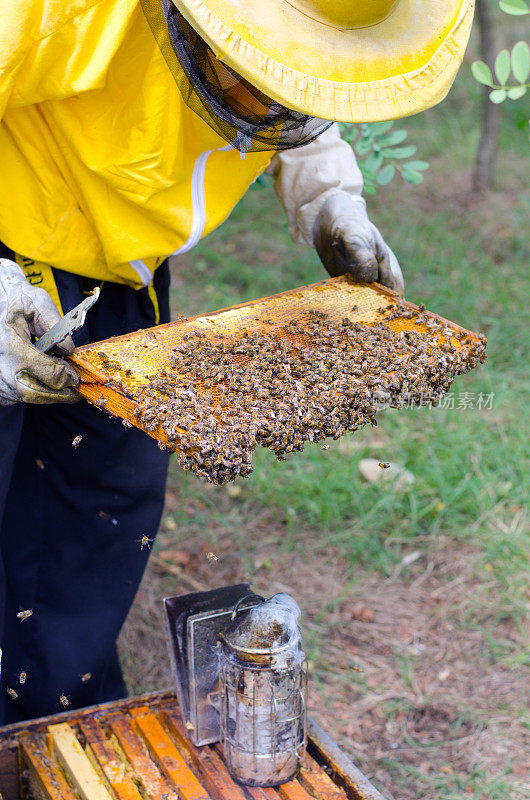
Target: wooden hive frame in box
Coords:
[(137, 749)]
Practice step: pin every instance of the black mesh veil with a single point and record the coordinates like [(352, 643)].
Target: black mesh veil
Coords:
[(236, 110)]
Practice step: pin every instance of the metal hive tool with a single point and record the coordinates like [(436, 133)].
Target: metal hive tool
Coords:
[(112, 371)]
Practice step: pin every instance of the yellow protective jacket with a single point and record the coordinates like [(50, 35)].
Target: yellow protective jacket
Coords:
[(104, 171)]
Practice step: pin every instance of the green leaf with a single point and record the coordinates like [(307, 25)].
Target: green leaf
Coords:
[(379, 128), (366, 132), (373, 162), (411, 176), (363, 146), (348, 132), (368, 175), (498, 95), (418, 166), (386, 174), (482, 73), (401, 152), (502, 66), (515, 7), (393, 138), (521, 61), (516, 92)]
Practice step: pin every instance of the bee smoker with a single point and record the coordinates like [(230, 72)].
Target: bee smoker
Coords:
[(241, 679), (262, 686)]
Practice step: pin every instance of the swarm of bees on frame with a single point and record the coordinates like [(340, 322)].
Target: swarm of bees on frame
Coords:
[(220, 396)]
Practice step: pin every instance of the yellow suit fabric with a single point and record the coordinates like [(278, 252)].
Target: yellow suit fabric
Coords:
[(98, 149)]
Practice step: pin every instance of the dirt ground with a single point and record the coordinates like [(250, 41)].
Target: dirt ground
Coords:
[(408, 672)]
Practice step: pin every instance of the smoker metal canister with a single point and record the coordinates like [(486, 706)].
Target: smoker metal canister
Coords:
[(263, 688)]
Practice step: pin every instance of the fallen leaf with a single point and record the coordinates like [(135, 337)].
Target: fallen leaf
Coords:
[(361, 612)]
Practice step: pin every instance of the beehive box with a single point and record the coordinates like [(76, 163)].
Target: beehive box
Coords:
[(137, 749), (123, 374)]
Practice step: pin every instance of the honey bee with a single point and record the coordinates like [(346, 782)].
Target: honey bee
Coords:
[(145, 541), (86, 677), (22, 677), (11, 692), (212, 557), (77, 441), (384, 465), (64, 701), (22, 615)]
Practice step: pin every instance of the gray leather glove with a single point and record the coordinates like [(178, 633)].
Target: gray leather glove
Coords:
[(347, 242), (26, 374)]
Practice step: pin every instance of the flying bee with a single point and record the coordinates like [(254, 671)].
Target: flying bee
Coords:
[(145, 541), (64, 701), (212, 557), (86, 677), (384, 465), (22, 615), (77, 441), (11, 692), (22, 677)]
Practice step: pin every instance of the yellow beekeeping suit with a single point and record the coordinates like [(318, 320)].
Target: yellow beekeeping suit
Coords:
[(104, 171)]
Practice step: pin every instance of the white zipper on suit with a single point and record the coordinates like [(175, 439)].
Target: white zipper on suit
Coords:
[(198, 199), (142, 270)]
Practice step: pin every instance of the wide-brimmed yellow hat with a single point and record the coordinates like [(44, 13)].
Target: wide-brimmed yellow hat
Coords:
[(348, 60)]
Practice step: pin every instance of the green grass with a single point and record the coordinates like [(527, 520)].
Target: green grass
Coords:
[(453, 786)]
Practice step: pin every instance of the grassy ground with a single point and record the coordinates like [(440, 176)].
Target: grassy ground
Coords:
[(424, 589)]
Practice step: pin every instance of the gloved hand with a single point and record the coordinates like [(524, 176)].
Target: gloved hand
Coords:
[(26, 374), (347, 242)]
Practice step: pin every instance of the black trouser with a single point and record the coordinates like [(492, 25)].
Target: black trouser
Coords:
[(70, 524)]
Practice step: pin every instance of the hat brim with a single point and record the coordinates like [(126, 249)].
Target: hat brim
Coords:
[(400, 66)]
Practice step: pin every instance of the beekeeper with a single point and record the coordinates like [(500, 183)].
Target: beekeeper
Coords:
[(130, 129)]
